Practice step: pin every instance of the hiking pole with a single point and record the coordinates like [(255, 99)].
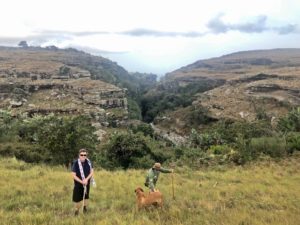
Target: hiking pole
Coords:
[(173, 185), (84, 192)]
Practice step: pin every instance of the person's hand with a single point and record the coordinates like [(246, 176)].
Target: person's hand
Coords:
[(85, 182)]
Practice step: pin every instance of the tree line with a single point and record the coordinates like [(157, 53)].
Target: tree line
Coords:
[(56, 140)]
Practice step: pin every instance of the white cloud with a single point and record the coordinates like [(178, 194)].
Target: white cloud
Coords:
[(153, 36)]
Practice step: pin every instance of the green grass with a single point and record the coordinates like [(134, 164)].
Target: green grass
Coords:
[(261, 193)]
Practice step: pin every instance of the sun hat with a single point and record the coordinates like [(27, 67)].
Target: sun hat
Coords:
[(157, 165)]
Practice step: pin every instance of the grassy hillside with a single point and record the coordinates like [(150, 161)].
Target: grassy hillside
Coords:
[(262, 193), (283, 62)]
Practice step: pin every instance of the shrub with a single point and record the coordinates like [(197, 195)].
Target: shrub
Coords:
[(230, 131), (61, 137), (134, 110), (198, 115), (23, 44), (23, 151), (261, 114), (172, 95), (204, 140), (7, 126), (291, 122), (192, 157), (244, 152), (6, 149), (293, 142), (64, 70), (128, 150), (219, 149), (272, 146), (146, 129)]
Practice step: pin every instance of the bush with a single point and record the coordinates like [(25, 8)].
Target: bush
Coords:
[(169, 96), (134, 110), (272, 146), (23, 151), (64, 70), (198, 115), (197, 157), (244, 152), (146, 129), (6, 150), (7, 126), (204, 140), (261, 114), (191, 156), (219, 149), (230, 131), (128, 150), (62, 137), (291, 122), (293, 141)]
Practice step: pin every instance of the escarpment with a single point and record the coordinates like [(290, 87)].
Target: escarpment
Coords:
[(43, 81)]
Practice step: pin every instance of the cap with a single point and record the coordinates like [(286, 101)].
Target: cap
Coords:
[(157, 165)]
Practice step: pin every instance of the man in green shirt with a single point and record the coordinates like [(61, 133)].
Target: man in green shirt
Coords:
[(153, 174)]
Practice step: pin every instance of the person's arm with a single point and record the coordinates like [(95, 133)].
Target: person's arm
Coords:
[(76, 178), (91, 170), (90, 175), (163, 170), (74, 168)]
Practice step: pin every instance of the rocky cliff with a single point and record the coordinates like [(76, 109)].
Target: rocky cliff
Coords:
[(42, 81), (265, 81)]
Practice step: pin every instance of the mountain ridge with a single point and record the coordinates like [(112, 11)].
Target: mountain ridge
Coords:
[(36, 80), (250, 82)]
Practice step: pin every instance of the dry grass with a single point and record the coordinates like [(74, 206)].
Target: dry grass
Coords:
[(262, 193)]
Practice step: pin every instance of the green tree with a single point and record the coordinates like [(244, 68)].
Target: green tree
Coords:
[(134, 109), (8, 127), (23, 44), (64, 70), (128, 150), (62, 137), (146, 129), (291, 122)]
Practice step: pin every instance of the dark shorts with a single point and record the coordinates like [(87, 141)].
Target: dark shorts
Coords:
[(78, 193)]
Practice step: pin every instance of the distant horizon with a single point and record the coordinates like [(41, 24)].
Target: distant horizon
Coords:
[(158, 75), (153, 36)]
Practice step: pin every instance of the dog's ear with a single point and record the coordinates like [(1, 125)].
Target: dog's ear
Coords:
[(138, 189)]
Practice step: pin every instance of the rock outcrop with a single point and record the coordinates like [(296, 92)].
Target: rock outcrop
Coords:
[(254, 81), (43, 81)]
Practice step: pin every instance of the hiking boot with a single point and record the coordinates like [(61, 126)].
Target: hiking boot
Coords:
[(84, 209), (76, 213)]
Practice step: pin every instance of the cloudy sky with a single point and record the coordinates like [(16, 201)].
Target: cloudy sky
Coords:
[(155, 36)]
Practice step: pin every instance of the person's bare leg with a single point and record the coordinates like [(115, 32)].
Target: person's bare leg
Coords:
[(77, 207), (85, 206), (86, 201)]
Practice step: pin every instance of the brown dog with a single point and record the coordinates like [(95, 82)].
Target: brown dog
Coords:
[(153, 198)]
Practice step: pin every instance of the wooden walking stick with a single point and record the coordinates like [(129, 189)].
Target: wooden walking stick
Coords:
[(84, 192), (173, 185)]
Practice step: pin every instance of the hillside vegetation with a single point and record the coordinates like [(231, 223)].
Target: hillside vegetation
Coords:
[(261, 193), (239, 85), (56, 140)]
